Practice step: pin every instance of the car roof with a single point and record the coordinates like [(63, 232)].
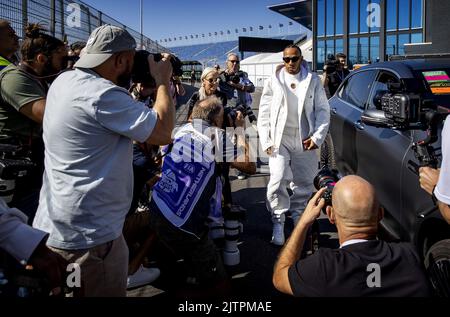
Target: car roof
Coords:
[(405, 67)]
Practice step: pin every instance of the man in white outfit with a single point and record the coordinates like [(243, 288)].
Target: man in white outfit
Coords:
[(293, 121)]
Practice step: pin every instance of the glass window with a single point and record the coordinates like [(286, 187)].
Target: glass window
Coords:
[(352, 51), (353, 16), (403, 14), (339, 16), (339, 46), (375, 16), (357, 88), (330, 17), (320, 54), (391, 15), (363, 50), (363, 26), (416, 38), (320, 17), (375, 49), (416, 13), (380, 86), (402, 40), (330, 48), (391, 45)]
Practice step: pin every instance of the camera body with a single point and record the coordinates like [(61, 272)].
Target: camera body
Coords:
[(331, 64), (141, 68), (231, 113), (13, 165), (235, 78), (327, 178)]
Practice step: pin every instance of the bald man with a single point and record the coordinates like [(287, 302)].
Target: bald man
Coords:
[(363, 265)]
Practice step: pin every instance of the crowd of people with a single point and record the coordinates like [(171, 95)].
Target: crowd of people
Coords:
[(99, 142)]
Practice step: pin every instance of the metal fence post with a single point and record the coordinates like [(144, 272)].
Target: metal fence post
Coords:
[(61, 5), (24, 16), (52, 17), (100, 22)]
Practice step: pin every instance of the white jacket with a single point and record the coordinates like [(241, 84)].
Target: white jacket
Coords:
[(273, 109)]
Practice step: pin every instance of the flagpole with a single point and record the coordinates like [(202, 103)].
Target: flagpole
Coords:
[(142, 25)]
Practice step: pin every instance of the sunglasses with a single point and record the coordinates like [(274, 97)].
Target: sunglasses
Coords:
[(235, 61), (294, 59), (212, 81)]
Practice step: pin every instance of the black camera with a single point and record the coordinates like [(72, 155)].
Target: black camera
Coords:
[(231, 113), (141, 69), (235, 78), (14, 164), (326, 177), (331, 64)]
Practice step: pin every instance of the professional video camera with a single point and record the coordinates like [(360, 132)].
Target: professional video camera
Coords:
[(331, 64), (326, 177), (14, 164), (400, 110), (141, 69)]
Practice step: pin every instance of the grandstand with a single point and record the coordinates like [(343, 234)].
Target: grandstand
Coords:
[(216, 53)]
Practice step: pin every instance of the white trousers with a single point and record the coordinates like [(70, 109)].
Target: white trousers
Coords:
[(292, 167)]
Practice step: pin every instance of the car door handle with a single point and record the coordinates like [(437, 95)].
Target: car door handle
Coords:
[(359, 125), (333, 110)]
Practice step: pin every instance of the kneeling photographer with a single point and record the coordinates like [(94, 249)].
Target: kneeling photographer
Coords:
[(190, 185), (334, 73), (363, 265), (23, 91)]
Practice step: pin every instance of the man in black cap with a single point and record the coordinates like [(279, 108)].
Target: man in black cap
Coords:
[(89, 125)]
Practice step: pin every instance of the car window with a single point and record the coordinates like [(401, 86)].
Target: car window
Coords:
[(380, 86), (357, 88)]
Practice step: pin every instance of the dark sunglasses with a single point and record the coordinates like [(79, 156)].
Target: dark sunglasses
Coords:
[(237, 62), (212, 81), (294, 59)]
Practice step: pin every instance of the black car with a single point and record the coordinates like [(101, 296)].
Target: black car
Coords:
[(383, 154)]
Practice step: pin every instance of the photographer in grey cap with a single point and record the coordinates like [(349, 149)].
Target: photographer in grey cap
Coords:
[(89, 124)]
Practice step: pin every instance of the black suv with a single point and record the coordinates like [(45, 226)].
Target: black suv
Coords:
[(364, 144)]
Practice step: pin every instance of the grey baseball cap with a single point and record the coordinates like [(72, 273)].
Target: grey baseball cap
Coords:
[(103, 43)]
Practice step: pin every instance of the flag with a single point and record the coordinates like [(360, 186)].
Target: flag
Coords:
[(280, 25), (261, 27)]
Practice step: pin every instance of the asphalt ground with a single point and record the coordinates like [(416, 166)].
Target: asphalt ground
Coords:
[(253, 275)]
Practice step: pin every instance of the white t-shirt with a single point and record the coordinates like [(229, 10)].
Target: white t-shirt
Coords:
[(293, 92), (442, 190), (89, 125)]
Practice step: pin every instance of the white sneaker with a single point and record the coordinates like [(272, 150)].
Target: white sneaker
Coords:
[(278, 233), (143, 276), (242, 176)]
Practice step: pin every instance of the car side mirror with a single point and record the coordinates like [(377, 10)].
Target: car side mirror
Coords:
[(376, 118)]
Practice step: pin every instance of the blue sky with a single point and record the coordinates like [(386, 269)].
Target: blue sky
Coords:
[(175, 18)]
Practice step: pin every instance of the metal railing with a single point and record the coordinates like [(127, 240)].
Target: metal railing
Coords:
[(68, 20)]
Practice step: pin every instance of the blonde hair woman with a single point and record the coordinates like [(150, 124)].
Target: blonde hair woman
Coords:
[(209, 83)]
